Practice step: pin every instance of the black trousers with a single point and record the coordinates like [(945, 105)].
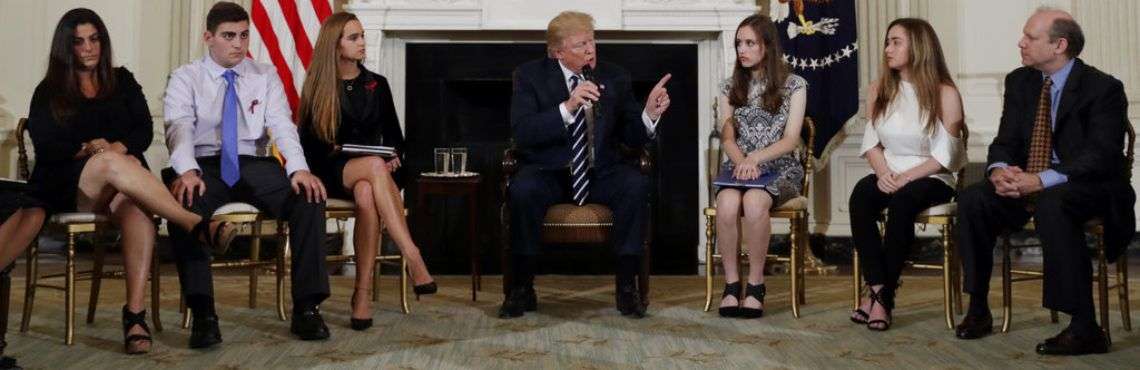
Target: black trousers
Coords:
[(882, 257), (263, 184), (1061, 212), (620, 187)]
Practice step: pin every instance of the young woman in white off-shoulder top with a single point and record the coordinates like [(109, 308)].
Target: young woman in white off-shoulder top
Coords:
[(913, 143)]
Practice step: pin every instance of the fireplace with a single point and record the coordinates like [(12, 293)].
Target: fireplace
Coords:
[(705, 29), (458, 94)]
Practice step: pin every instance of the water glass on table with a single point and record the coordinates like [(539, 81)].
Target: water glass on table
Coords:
[(442, 161), (459, 160)]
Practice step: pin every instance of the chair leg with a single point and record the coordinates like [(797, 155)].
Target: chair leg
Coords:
[(1102, 286), (31, 282), (795, 267), (404, 285), (710, 243), (155, 292), (254, 257), (947, 285), (96, 280), (376, 269), (69, 291), (856, 280), (805, 249), (1006, 285), (282, 261), (956, 268), (1122, 290)]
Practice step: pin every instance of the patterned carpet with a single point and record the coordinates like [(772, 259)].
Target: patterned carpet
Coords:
[(576, 328)]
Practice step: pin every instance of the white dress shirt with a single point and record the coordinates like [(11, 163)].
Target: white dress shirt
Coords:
[(567, 118), (902, 132), (192, 110)]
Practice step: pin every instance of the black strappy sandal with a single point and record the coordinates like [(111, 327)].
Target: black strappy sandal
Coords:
[(884, 297), (859, 316), (733, 290), (754, 291), (219, 240), (130, 320)]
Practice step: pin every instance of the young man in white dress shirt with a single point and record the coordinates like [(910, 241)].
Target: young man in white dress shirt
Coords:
[(217, 111)]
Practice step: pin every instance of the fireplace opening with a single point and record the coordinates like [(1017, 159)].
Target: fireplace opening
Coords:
[(458, 95)]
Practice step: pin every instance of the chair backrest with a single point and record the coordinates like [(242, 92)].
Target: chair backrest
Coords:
[(961, 183), (22, 149), (803, 153)]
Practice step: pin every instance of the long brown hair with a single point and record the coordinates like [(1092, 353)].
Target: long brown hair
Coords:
[(773, 66), (928, 72), (320, 96), (62, 78)]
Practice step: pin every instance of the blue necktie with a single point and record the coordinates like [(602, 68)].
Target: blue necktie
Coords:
[(580, 185), (230, 170)]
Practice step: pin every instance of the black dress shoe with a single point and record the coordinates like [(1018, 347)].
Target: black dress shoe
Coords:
[(204, 332), (975, 326), (308, 325), (629, 302), (1070, 343), (518, 301)]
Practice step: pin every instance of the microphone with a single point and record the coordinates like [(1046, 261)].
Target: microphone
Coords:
[(588, 75)]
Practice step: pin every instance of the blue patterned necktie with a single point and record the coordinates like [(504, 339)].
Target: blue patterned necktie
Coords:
[(231, 172), (580, 184)]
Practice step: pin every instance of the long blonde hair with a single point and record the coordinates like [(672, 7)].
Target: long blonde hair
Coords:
[(320, 96), (928, 72)]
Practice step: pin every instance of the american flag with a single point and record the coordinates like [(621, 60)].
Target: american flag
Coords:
[(283, 34)]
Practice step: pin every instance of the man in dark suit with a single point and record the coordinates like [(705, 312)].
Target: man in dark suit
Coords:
[(1058, 157), (569, 114)]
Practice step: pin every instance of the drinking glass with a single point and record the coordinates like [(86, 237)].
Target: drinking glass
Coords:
[(459, 160), (442, 161)]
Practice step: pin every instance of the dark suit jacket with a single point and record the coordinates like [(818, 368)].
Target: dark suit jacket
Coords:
[(536, 123), (1088, 138)]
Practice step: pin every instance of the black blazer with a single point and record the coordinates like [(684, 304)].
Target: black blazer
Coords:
[(1088, 138), (369, 120), (536, 122)]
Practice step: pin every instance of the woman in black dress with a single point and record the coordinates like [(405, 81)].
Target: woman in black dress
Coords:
[(90, 125), (343, 103)]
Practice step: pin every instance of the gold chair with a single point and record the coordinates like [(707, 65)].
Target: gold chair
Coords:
[(342, 210), (944, 216), (1094, 227), (246, 215), (795, 210), (567, 223), (74, 225)]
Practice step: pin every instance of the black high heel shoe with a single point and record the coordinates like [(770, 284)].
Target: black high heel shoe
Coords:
[(130, 320), (355, 323), (425, 289), (884, 297), (731, 289), (858, 315), (754, 291)]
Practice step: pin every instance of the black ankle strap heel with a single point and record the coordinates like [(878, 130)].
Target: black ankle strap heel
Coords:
[(754, 291), (731, 289)]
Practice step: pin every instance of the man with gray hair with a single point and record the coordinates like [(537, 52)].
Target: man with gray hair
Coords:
[(1058, 158), (569, 114)]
